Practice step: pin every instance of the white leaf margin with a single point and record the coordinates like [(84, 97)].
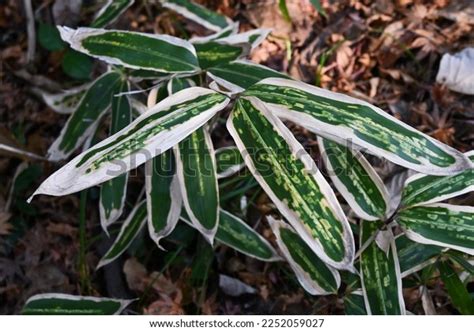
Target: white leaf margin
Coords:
[(70, 179), (304, 279), (349, 196), (423, 240), (74, 38), (325, 130), (123, 303), (401, 300), (208, 234), (299, 152)]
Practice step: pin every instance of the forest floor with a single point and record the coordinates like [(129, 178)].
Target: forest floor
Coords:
[(385, 52)]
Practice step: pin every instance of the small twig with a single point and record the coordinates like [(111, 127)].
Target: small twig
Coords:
[(30, 28)]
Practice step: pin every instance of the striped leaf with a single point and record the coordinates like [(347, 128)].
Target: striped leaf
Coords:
[(110, 12), (198, 14), (356, 180), (414, 256), (113, 192), (83, 121), (313, 274), (231, 29), (65, 304), (380, 275), (163, 196), (231, 48), (177, 84), (196, 170), (441, 225), (251, 37), (339, 117), (134, 50), (235, 233), (424, 189), (152, 133), (128, 232), (239, 75), (229, 161), (214, 53), (460, 297), (65, 102), (296, 186)]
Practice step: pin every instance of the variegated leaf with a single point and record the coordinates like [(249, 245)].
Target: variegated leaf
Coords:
[(128, 232), (177, 84), (251, 37), (235, 233), (214, 53), (134, 50), (66, 304), (110, 12), (231, 48), (114, 191), (231, 29), (356, 180), (313, 274), (152, 133), (196, 170), (239, 75), (340, 118), (197, 13), (423, 189), (414, 256), (229, 161), (440, 224), (380, 275), (291, 179), (65, 102), (82, 122), (163, 196)]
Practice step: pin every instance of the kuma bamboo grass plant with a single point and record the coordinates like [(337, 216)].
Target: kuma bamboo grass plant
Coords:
[(194, 81)]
